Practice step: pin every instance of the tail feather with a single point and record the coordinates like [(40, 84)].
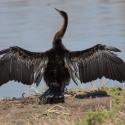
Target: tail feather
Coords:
[(53, 92)]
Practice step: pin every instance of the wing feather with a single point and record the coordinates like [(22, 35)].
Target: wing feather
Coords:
[(88, 73), (99, 61), (19, 65)]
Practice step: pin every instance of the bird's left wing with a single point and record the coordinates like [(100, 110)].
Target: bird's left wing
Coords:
[(20, 65), (97, 62)]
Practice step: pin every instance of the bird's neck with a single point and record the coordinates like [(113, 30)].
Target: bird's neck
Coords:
[(59, 35), (64, 27), (58, 44)]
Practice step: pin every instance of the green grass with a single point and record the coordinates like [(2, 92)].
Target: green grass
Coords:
[(103, 115)]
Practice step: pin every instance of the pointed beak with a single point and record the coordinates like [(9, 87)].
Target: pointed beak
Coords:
[(57, 10)]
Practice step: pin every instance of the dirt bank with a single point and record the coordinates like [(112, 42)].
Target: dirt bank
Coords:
[(27, 111)]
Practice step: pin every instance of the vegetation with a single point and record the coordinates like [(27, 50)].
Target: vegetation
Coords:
[(102, 115), (82, 107)]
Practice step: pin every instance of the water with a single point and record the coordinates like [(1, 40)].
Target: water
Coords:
[(32, 25)]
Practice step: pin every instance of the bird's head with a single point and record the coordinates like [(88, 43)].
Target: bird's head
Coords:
[(62, 13)]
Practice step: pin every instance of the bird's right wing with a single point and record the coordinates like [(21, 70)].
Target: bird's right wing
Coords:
[(96, 62), (20, 65)]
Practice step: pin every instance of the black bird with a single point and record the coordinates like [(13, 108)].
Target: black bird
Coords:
[(59, 64)]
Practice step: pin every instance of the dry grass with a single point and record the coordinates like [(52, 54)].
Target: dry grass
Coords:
[(27, 111)]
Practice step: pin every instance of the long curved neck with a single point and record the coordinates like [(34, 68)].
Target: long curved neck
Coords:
[(59, 35), (64, 27)]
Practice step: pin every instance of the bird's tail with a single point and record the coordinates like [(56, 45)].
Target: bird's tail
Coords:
[(54, 93)]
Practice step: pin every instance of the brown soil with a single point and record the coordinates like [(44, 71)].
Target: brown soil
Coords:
[(27, 111)]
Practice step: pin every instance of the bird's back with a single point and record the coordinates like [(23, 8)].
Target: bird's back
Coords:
[(56, 71)]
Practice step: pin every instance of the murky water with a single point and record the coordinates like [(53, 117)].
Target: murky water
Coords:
[(32, 25)]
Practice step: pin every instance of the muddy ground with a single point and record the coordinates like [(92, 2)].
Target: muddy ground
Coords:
[(27, 111)]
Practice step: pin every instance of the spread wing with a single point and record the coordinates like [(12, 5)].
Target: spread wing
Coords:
[(97, 62), (20, 65)]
